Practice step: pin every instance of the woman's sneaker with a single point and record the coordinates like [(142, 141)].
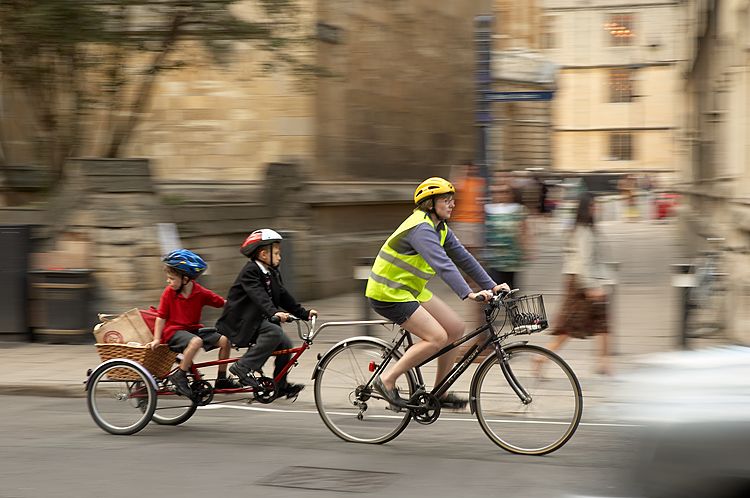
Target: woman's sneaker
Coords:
[(290, 390), (453, 402)]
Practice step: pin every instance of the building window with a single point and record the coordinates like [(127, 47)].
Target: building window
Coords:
[(549, 38), (620, 29), (621, 85), (621, 146)]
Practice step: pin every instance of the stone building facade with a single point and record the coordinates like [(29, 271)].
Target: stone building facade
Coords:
[(332, 164), (521, 132), (716, 177), (397, 102), (618, 105)]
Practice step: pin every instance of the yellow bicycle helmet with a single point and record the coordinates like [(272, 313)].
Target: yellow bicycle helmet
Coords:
[(433, 186)]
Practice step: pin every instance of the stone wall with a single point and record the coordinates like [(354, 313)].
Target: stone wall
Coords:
[(400, 104)]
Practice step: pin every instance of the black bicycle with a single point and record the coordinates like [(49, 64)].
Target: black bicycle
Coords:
[(525, 397)]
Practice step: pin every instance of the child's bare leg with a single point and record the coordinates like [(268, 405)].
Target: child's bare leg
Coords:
[(225, 347), (189, 353)]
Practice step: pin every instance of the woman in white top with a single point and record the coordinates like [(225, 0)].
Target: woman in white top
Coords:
[(584, 310)]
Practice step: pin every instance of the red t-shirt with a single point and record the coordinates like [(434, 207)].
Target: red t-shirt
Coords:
[(184, 313)]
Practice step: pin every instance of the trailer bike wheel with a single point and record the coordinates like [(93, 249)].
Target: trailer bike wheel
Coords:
[(172, 409), (121, 397), (351, 410), (529, 404)]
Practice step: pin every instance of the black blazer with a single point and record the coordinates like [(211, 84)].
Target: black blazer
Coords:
[(248, 304)]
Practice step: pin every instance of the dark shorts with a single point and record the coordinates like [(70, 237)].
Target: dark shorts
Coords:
[(179, 341), (395, 312)]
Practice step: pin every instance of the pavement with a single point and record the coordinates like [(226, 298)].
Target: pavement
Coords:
[(644, 318)]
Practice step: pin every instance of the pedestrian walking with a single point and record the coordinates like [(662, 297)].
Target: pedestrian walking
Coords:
[(467, 220), (584, 310), (507, 235)]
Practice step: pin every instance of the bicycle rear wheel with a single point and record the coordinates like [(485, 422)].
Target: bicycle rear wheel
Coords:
[(349, 409), (544, 410), (120, 397), (172, 409)]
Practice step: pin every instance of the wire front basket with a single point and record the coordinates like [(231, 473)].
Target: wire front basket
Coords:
[(527, 314)]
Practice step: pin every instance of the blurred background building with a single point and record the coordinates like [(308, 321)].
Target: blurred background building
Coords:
[(233, 146), (716, 177), (520, 137), (652, 87), (618, 104)]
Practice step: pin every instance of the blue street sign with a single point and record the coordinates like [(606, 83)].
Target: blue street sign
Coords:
[(518, 96)]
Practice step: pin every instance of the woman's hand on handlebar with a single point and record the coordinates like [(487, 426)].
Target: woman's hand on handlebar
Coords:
[(500, 288), (483, 295)]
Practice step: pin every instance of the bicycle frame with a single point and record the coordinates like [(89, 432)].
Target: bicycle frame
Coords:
[(461, 365), (307, 340)]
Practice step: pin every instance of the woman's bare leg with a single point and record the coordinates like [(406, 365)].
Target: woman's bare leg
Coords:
[(454, 327), (434, 337)]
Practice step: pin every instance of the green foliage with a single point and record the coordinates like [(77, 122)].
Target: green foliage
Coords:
[(54, 49)]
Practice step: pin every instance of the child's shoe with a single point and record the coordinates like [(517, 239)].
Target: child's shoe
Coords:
[(245, 376), (227, 383), (180, 382)]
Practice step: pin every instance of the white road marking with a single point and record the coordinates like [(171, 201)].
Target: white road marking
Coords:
[(452, 419)]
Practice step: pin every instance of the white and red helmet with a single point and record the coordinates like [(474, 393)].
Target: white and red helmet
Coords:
[(258, 239)]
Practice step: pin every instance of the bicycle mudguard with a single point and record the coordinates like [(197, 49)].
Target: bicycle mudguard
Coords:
[(132, 363), (362, 338)]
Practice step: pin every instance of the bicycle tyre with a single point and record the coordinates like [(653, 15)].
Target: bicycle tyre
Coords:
[(121, 407), (547, 420), (343, 371), (172, 409)]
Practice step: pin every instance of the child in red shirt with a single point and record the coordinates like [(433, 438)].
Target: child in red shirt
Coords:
[(178, 324)]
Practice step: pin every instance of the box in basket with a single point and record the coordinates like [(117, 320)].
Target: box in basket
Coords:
[(122, 329)]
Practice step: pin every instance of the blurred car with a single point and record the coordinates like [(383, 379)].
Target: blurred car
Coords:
[(693, 410)]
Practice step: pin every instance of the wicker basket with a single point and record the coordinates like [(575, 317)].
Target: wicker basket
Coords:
[(158, 361)]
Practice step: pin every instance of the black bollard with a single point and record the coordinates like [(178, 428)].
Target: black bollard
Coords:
[(361, 274), (683, 278)]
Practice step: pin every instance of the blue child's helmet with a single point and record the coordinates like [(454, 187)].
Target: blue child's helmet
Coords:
[(186, 262)]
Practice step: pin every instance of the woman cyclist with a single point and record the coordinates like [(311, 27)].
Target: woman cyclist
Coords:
[(421, 247)]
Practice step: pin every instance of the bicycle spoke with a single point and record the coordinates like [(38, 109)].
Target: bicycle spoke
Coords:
[(350, 411), (543, 421)]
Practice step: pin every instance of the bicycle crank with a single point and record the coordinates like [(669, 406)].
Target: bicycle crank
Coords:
[(428, 410), (267, 392)]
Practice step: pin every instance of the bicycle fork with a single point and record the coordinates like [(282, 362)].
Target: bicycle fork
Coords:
[(503, 359)]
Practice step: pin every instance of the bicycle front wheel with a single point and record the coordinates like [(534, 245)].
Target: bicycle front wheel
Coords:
[(347, 404), (121, 397), (531, 403)]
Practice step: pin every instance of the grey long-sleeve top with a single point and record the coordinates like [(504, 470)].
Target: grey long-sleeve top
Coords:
[(445, 260)]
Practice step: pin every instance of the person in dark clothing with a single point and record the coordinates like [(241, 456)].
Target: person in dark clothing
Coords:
[(256, 295)]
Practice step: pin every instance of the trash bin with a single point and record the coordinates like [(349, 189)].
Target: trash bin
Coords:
[(15, 246), (64, 297)]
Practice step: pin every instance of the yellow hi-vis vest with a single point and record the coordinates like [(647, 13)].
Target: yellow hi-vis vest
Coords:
[(397, 277)]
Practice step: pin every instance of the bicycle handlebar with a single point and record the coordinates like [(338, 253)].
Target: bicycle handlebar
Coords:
[(311, 326), (500, 296)]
